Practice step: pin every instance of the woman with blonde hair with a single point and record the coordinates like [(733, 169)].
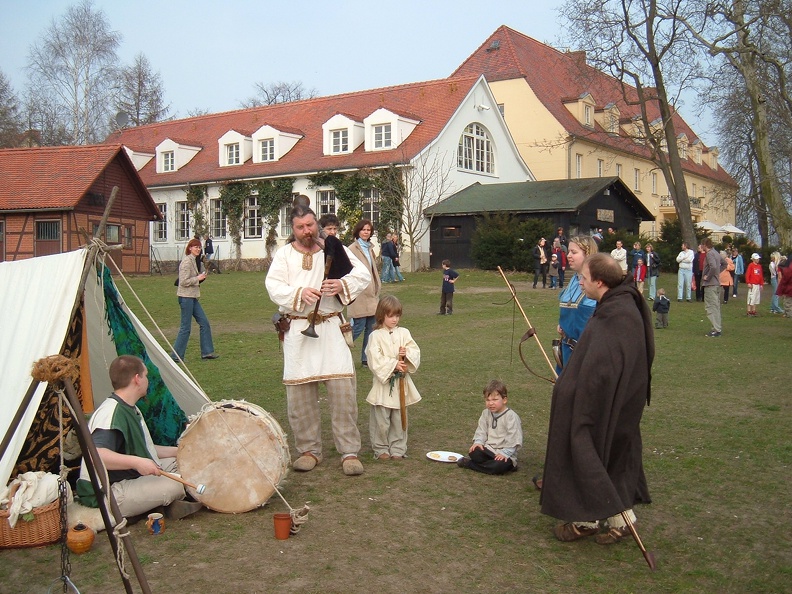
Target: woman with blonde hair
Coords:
[(188, 293), (775, 259)]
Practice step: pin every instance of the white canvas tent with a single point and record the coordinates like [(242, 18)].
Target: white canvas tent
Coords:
[(709, 226), (37, 297)]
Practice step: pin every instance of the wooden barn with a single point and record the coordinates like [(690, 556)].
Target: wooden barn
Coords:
[(53, 198), (580, 206)]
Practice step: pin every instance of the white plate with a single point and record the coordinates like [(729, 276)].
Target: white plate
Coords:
[(440, 456)]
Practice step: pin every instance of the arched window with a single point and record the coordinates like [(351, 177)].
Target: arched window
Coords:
[(475, 150)]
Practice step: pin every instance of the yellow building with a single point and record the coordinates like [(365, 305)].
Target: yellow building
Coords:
[(572, 121)]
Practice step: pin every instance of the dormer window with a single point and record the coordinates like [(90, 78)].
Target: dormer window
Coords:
[(587, 115), (235, 148), (340, 140), (232, 154), (582, 107), (382, 136), (267, 147), (168, 161), (682, 146), (272, 144)]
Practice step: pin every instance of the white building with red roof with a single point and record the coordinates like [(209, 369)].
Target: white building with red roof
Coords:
[(454, 125)]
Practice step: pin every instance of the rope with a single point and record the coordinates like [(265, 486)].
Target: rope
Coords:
[(120, 553), (151, 319)]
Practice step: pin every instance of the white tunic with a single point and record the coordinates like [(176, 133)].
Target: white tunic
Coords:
[(312, 359), (383, 354)]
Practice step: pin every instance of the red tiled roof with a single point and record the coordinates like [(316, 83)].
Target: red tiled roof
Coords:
[(556, 76), (432, 103), (54, 177)]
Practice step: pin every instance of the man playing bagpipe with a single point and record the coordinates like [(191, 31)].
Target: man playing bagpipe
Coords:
[(310, 295)]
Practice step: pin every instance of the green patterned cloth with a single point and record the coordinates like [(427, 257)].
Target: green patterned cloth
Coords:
[(164, 417)]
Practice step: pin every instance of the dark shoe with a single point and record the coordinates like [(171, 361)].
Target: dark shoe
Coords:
[(364, 363), (212, 356), (689, 301), (463, 462), (713, 334), (440, 313), (569, 532), (181, 509), (612, 536), (537, 482), (679, 301)]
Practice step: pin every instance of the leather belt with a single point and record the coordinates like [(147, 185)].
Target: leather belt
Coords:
[(318, 319)]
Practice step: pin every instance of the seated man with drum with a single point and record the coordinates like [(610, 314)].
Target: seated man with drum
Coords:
[(134, 464), (314, 348)]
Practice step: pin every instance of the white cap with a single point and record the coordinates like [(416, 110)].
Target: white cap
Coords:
[(755, 256)]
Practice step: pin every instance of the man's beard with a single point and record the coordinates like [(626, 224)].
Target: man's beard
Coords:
[(307, 241)]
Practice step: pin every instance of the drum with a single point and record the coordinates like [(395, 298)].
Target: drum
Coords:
[(238, 450)]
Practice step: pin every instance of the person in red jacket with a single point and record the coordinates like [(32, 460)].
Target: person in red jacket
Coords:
[(754, 278), (639, 274)]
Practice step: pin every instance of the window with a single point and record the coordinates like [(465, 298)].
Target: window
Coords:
[(694, 191), (285, 221), (600, 167), (613, 123), (217, 218), (182, 221), (475, 150), (268, 149), (326, 201), (340, 141), (253, 225), (370, 199), (502, 109), (382, 136), (451, 232), (128, 237), (161, 227), (587, 115), (168, 161), (618, 170), (654, 183), (637, 180), (232, 154), (578, 166), (48, 231), (113, 234)]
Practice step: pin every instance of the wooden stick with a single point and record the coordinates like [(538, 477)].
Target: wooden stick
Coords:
[(514, 295), (649, 556), (402, 399), (175, 477)]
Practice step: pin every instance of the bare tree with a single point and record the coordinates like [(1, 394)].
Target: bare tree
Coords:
[(141, 94), (755, 39), (653, 58), (424, 183), (73, 67), (45, 121), (278, 92), (10, 123)]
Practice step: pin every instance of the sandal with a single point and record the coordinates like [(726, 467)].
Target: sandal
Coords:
[(612, 536), (568, 532)]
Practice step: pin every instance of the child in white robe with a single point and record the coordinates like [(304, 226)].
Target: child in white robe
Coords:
[(392, 356)]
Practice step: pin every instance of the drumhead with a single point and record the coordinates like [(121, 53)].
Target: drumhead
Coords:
[(238, 451)]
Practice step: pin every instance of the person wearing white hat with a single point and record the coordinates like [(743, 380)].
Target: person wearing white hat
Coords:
[(754, 278)]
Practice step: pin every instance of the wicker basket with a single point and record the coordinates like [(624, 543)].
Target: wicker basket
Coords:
[(44, 529)]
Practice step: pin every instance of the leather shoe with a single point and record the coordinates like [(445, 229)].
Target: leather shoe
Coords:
[(612, 536), (212, 356), (569, 532), (181, 509), (352, 466), (306, 462)]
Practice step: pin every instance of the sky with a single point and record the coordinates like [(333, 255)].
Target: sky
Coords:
[(210, 54)]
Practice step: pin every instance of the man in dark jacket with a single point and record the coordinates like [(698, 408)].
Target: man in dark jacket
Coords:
[(593, 466)]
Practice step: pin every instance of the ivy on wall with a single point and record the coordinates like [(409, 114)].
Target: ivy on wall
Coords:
[(233, 194), (392, 196), (272, 196), (195, 198)]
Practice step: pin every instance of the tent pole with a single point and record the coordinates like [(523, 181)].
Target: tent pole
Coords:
[(96, 470), (18, 417)]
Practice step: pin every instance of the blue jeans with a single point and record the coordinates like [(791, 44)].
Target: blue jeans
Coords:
[(736, 278), (652, 287), (774, 301), (683, 282), (359, 325), (388, 270), (399, 276), (191, 308)]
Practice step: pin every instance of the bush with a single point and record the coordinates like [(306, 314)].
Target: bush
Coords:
[(502, 240)]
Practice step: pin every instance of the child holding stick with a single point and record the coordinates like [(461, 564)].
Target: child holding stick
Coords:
[(392, 356)]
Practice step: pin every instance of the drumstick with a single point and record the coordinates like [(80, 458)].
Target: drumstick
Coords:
[(199, 488)]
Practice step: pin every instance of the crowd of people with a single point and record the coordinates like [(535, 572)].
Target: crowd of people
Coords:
[(593, 472)]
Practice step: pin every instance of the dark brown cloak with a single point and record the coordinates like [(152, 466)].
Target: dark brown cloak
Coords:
[(593, 465)]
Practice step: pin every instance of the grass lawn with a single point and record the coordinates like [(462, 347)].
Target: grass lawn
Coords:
[(717, 454)]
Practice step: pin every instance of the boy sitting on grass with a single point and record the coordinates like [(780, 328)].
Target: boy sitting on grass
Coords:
[(498, 436)]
